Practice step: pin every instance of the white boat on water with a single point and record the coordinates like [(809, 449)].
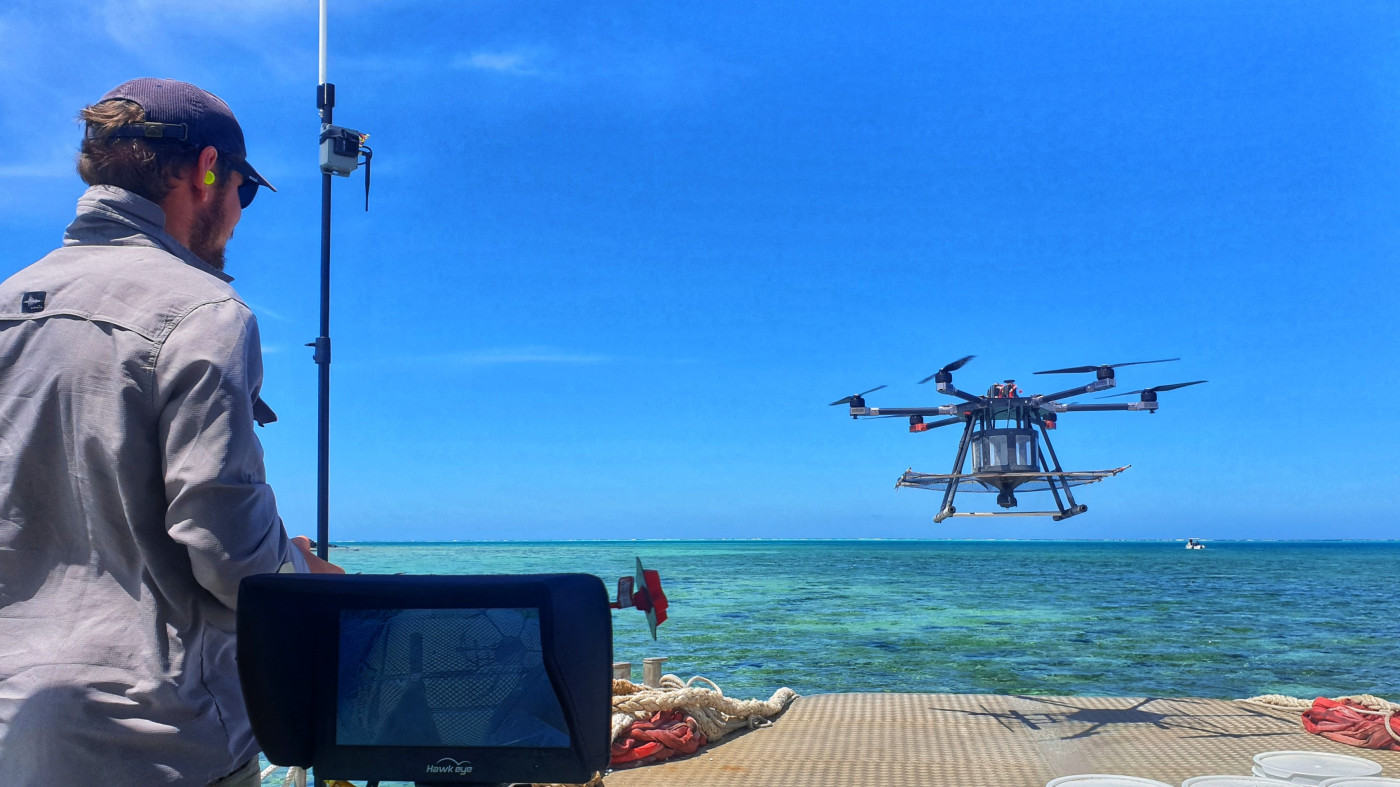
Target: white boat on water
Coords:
[(1192, 543)]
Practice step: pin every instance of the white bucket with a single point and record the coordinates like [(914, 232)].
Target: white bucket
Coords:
[(1311, 767), (1103, 780), (1232, 781), (1362, 781)]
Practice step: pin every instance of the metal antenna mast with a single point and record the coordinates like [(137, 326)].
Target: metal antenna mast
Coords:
[(340, 155)]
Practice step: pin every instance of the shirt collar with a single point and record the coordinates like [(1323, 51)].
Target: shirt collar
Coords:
[(112, 216)]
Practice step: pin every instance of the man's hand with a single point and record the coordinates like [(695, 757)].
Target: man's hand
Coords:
[(316, 564)]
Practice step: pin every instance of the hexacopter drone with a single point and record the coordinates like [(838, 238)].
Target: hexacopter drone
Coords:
[(1002, 430)]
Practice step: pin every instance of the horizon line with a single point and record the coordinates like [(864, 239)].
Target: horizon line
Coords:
[(877, 539)]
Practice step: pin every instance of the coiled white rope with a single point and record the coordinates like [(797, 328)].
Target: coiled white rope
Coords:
[(296, 777), (716, 714)]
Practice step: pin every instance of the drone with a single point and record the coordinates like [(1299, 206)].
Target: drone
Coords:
[(1003, 431)]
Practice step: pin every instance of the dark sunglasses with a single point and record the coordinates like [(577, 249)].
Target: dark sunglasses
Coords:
[(246, 191)]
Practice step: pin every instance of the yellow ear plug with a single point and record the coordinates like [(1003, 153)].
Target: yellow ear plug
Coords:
[(209, 178)]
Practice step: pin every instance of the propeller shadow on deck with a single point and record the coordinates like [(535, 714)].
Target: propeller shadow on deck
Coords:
[(1006, 433), (1078, 718)]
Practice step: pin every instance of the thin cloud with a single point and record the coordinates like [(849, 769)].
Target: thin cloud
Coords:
[(502, 356), (520, 62), (263, 311), (48, 168), (650, 71), (151, 28), (118, 12), (523, 355), (483, 359)]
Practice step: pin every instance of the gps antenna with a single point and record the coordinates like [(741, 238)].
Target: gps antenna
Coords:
[(340, 155)]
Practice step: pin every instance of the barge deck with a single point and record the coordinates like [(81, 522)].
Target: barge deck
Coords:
[(983, 740)]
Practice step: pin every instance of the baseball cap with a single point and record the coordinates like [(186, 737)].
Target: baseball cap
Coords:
[(182, 112)]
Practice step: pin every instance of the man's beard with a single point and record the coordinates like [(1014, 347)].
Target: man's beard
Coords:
[(206, 223)]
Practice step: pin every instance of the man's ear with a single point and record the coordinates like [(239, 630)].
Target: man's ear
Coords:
[(202, 176)]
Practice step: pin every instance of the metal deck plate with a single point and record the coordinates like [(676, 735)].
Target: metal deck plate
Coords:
[(980, 740)]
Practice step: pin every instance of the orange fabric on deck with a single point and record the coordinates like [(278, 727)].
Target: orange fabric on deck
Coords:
[(1351, 723), (664, 735)]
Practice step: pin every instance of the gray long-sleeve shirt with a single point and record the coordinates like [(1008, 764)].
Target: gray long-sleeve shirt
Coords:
[(133, 500)]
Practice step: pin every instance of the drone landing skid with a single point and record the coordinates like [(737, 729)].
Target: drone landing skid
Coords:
[(1055, 515), (1004, 484), (1006, 513), (1035, 481)]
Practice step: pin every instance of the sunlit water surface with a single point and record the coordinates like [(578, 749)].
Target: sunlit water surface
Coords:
[(1088, 618)]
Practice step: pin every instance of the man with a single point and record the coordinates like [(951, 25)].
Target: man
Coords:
[(133, 497)]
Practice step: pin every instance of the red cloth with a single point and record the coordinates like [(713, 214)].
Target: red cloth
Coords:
[(1345, 722), (666, 734)]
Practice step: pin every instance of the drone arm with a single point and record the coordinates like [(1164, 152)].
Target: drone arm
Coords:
[(924, 427), (1077, 407), (947, 409), (1097, 385), (947, 388)]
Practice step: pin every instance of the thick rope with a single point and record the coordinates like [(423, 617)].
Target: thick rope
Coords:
[(1283, 701), (1279, 701), (716, 714), (1375, 705)]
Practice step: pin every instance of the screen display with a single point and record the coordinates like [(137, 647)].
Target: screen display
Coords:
[(445, 677)]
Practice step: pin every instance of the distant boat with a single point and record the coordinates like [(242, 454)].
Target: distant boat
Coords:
[(1192, 543)]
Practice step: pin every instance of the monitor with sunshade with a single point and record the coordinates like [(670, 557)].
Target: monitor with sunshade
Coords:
[(434, 680)]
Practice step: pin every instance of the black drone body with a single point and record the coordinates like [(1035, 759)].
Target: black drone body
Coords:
[(1003, 432)]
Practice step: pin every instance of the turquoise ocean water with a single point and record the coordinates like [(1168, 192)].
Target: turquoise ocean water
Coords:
[(1035, 617), (1025, 617)]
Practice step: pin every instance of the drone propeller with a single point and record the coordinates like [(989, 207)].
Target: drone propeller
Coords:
[(852, 397), (1154, 389), (952, 367), (1081, 369)]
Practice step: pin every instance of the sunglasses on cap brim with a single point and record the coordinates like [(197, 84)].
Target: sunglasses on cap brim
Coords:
[(248, 189)]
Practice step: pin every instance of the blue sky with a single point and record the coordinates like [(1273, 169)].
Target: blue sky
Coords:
[(619, 258)]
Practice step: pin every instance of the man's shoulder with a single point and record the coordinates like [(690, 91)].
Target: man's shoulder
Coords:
[(139, 288)]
